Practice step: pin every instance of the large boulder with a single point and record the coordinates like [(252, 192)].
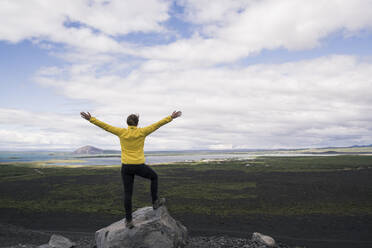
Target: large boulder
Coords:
[(263, 239), (152, 229), (58, 241)]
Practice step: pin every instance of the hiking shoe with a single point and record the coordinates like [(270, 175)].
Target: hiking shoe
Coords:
[(129, 224), (158, 203)]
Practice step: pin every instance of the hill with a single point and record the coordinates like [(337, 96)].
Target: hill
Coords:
[(88, 150)]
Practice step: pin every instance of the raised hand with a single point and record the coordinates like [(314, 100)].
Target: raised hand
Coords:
[(85, 115), (176, 114)]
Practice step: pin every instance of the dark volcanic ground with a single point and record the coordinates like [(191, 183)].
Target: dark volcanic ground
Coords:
[(274, 189)]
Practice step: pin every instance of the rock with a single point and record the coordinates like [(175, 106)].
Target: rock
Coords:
[(45, 246), (21, 246), (58, 241), (152, 229), (263, 239)]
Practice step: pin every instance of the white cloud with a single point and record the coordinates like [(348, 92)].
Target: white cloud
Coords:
[(20, 129), (228, 30), (323, 101), (252, 26), (84, 24), (290, 104)]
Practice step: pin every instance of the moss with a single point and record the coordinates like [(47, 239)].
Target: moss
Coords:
[(210, 191), (213, 188)]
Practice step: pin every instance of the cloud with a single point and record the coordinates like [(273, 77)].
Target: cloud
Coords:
[(20, 129), (318, 102), (241, 28), (226, 30), (83, 24), (264, 105)]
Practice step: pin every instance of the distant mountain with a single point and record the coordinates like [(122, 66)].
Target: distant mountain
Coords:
[(348, 149), (362, 146), (88, 150)]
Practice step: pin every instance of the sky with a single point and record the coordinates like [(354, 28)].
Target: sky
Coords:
[(247, 74)]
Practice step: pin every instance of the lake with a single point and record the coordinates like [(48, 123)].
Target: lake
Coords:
[(151, 157)]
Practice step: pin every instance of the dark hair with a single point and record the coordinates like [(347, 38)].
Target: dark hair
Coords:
[(132, 120)]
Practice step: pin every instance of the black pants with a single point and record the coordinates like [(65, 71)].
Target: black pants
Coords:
[(127, 174)]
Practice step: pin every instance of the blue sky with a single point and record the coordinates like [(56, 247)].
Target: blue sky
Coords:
[(246, 74), (18, 64)]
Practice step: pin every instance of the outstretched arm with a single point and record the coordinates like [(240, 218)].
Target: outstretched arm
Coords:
[(149, 129), (101, 124)]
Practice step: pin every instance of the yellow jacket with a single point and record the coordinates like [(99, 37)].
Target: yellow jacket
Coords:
[(132, 139)]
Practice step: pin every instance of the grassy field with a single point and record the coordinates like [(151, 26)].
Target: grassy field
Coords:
[(203, 193), (267, 185)]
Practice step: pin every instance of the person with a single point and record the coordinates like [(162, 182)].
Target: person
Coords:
[(132, 141)]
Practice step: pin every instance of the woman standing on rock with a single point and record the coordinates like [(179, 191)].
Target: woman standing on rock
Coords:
[(132, 140)]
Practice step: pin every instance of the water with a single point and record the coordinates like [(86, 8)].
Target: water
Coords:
[(114, 159)]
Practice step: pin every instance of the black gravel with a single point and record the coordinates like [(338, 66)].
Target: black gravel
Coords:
[(18, 237), (193, 242), (225, 242)]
